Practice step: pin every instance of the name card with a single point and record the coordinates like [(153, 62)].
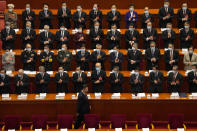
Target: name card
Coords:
[(63, 129), (118, 129), (91, 129), (145, 129), (180, 129)]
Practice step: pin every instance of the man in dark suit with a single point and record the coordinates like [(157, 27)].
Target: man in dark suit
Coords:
[(95, 16), (4, 82), (79, 18), (137, 82), (166, 14), (61, 79), (168, 36), (184, 15), (79, 79), (28, 35), (131, 36), (175, 80), (98, 78), (28, 57), (116, 58), (83, 58), (113, 17), (134, 57), (83, 106), (21, 82), (113, 37), (156, 80), (47, 58), (46, 38), (79, 38), (45, 16), (62, 37), (98, 56), (96, 35), (146, 17), (116, 79), (8, 36), (171, 57), (152, 56), (186, 36), (149, 35), (192, 79), (64, 15), (28, 15), (42, 80)]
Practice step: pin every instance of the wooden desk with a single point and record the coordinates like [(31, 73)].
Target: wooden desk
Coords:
[(103, 106)]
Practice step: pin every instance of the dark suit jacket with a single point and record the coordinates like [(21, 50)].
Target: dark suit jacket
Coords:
[(83, 64), (78, 85), (180, 15), (167, 40), (76, 19), (93, 35), (116, 42), (144, 18), (110, 17), (9, 42), (147, 34), (167, 59), (137, 88), (95, 60), (66, 19), (102, 77), (31, 34), (42, 87), (62, 87), (149, 56), (113, 58), (83, 106), (116, 87), (136, 57), (156, 88), (93, 15), (27, 15), (186, 43), (6, 88), (131, 36), (43, 38), (59, 36), (45, 20), (163, 13), (25, 87)]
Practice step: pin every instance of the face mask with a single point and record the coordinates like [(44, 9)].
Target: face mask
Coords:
[(94, 9), (62, 28), (10, 10), (190, 52), (184, 8), (113, 10), (80, 30), (149, 27), (61, 71), (146, 12), (131, 9), (96, 27), (131, 29), (79, 10), (186, 27), (166, 5), (45, 9), (7, 27), (28, 49), (63, 48), (28, 28), (97, 68), (27, 9)]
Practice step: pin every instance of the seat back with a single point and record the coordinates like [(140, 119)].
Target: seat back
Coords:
[(65, 121), (39, 121), (118, 120), (91, 120), (12, 122), (144, 120), (176, 120)]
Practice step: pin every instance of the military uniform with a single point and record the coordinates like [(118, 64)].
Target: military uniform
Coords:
[(29, 55), (61, 56), (47, 60)]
